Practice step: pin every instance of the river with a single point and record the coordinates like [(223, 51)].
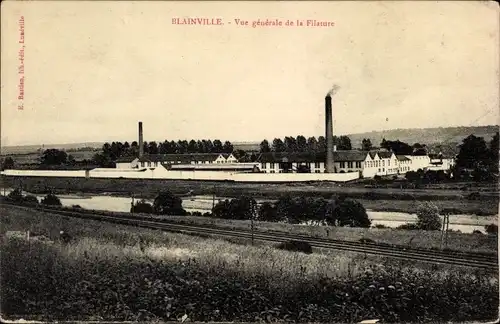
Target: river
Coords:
[(203, 204)]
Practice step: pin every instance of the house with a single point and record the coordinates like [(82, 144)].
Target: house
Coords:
[(310, 162), (440, 162), (128, 162), (404, 164), (155, 160)]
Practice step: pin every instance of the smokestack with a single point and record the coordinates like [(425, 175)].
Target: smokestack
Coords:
[(329, 135), (141, 141)]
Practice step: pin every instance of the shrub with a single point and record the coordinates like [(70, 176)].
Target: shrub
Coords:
[(380, 226), (477, 232), (142, 207), (295, 246), (491, 229), (238, 208), (167, 203), (267, 212), (16, 195), (51, 200), (428, 217), (408, 226), (30, 200), (76, 206)]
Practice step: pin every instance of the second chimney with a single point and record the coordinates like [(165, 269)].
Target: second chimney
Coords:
[(141, 141), (329, 167)]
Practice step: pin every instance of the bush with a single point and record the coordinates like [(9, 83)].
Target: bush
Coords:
[(238, 208), (295, 246), (477, 232), (142, 207), (491, 229), (380, 226), (30, 200), (167, 203), (51, 200), (428, 217), (16, 195), (408, 226)]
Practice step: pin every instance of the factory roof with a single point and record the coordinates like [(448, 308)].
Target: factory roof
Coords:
[(183, 158), (402, 158), (299, 157)]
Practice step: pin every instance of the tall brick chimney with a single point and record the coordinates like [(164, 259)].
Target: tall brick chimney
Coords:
[(330, 166), (141, 141)]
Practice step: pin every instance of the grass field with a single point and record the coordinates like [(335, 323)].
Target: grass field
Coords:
[(111, 272)]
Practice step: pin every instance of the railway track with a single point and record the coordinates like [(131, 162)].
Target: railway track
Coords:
[(485, 262)]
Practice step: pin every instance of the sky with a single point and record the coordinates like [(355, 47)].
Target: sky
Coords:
[(92, 70)]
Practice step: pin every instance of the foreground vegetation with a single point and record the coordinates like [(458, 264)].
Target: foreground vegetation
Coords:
[(110, 272)]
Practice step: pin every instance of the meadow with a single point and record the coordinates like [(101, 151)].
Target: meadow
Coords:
[(112, 272)]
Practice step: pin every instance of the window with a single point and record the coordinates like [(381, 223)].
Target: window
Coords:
[(262, 165), (342, 165), (358, 164), (389, 163), (316, 165), (383, 163), (349, 164), (272, 165), (316, 171)]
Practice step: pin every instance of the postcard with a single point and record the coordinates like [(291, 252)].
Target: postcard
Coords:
[(249, 161)]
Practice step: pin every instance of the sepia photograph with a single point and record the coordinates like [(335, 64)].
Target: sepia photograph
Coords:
[(249, 161)]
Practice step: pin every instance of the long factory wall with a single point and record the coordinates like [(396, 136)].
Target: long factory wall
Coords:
[(161, 173)]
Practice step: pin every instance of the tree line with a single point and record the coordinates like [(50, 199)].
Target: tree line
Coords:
[(301, 144)]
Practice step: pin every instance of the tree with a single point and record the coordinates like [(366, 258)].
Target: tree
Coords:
[(241, 155), (321, 144), (54, 157), (428, 217), (290, 144), (312, 144), (278, 145), (349, 213), (51, 200), (264, 147), (142, 207), (192, 147), (102, 160), (218, 148), (301, 143), (267, 212), (366, 144), (473, 151), (8, 163), (227, 147), (493, 156), (71, 159), (398, 147), (153, 148), (344, 143), (167, 203), (243, 208)]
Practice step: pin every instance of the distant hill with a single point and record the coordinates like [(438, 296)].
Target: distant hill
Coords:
[(25, 149), (441, 138), (427, 136)]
